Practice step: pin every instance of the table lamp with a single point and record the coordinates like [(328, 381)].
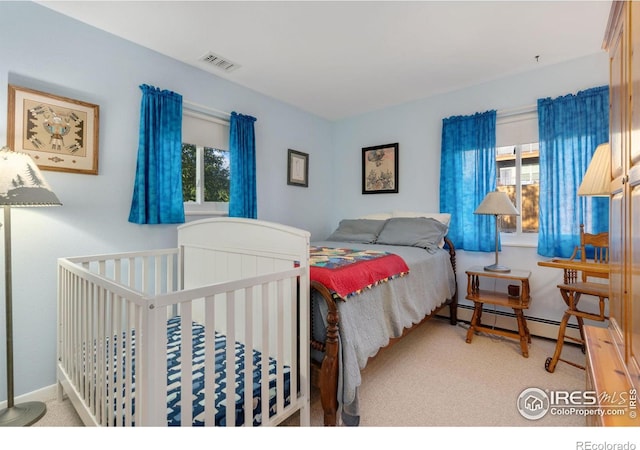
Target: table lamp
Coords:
[(597, 179), (21, 184), (497, 204)]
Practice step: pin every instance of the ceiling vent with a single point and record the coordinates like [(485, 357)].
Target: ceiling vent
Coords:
[(219, 62)]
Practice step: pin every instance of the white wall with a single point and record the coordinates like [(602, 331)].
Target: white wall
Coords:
[(417, 127), (43, 50)]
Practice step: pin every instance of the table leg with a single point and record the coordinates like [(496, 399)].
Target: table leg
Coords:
[(523, 332), (475, 320)]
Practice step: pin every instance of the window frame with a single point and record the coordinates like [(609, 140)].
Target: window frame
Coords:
[(199, 207), (523, 116)]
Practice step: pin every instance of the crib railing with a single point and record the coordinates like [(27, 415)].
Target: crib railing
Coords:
[(112, 341)]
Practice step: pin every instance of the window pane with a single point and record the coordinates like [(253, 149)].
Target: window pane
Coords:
[(216, 175), (189, 172), (530, 183), (519, 175)]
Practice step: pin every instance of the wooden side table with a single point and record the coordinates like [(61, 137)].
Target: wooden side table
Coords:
[(493, 297)]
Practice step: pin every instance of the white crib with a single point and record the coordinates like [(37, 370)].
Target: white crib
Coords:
[(125, 320)]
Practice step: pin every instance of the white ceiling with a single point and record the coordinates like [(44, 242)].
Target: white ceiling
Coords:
[(342, 58)]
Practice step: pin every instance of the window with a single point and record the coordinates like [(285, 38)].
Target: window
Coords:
[(518, 174), (519, 177), (205, 163)]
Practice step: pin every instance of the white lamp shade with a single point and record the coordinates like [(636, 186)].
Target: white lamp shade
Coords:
[(22, 183), (497, 203), (597, 179)]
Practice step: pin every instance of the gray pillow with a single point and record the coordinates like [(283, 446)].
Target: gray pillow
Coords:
[(363, 231), (412, 231)]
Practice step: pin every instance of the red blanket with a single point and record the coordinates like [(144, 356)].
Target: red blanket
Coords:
[(347, 272)]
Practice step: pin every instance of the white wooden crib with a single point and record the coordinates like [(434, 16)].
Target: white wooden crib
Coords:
[(125, 320)]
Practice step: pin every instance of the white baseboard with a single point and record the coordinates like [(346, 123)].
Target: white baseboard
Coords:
[(41, 395)]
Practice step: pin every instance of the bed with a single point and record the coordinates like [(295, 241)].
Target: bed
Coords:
[(214, 332), (351, 323)]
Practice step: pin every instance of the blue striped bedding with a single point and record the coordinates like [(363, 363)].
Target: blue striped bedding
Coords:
[(174, 388)]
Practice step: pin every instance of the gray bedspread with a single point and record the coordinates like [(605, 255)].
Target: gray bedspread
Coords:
[(370, 319)]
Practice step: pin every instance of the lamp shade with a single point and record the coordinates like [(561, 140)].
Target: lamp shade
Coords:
[(497, 203), (597, 179), (22, 183)]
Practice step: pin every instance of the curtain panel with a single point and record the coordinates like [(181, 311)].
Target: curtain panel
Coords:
[(242, 159), (570, 128), (157, 192), (467, 174)]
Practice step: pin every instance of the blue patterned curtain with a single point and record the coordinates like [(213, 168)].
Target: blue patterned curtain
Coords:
[(242, 155), (467, 174), (157, 193), (570, 127)]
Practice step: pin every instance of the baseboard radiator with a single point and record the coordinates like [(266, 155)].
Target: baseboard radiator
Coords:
[(543, 328)]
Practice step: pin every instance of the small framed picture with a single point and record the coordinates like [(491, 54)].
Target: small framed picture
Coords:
[(297, 168), (59, 133), (380, 169)]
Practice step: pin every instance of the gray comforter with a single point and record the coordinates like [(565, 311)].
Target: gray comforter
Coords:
[(370, 319)]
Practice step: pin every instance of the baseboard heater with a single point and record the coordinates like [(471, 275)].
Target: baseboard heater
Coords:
[(539, 327)]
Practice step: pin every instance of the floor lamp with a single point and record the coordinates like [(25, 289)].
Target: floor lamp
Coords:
[(21, 184), (497, 203)]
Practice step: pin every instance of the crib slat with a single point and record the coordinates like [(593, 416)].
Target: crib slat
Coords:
[(186, 366), (248, 357), (230, 358), (264, 358), (210, 362), (280, 347)]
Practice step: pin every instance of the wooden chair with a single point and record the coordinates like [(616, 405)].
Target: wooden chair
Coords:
[(578, 283)]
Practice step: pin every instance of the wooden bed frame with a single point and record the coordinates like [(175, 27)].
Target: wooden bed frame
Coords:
[(325, 375)]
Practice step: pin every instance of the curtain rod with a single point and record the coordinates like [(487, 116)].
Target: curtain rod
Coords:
[(206, 109)]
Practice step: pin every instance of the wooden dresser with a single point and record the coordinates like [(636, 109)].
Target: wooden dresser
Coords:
[(613, 366)]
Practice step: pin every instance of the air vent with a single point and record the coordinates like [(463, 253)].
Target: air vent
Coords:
[(219, 62)]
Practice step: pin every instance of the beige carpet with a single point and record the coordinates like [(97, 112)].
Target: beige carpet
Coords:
[(433, 378)]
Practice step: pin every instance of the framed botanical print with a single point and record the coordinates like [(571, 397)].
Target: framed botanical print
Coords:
[(380, 169), (59, 133), (297, 168)]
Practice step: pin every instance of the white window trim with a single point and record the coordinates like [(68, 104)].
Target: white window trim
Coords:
[(518, 239), (200, 207)]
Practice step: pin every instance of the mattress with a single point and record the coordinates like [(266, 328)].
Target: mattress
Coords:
[(175, 388)]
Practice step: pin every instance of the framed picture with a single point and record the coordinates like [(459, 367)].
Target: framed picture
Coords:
[(380, 169), (297, 168), (58, 133)]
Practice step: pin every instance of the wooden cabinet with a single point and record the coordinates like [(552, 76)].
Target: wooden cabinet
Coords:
[(622, 41)]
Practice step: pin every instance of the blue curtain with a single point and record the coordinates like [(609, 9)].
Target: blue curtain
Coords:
[(467, 174), (570, 127), (157, 193), (242, 158)]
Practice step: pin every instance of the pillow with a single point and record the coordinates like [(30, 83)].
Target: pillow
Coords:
[(377, 216), (424, 232), (445, 218), (363, 231)]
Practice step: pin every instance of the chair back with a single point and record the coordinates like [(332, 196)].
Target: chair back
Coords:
[(596, 245)]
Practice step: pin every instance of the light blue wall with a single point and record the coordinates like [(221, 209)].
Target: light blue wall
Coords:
[(46, 51), (43, 50)]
